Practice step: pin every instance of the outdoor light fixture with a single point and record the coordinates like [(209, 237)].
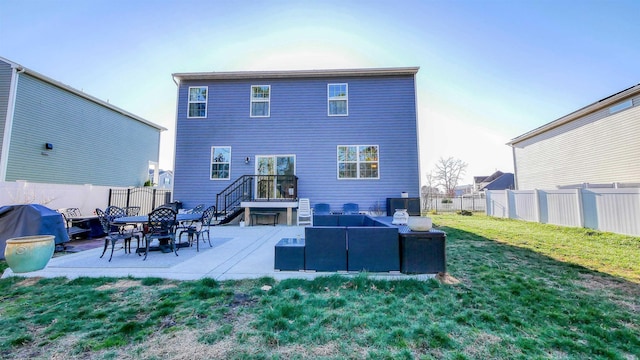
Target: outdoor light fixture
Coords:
[(48, 146), (247, 160)]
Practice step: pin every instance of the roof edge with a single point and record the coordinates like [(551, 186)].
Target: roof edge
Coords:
[(598, 105), (228, 75), (82, 94)]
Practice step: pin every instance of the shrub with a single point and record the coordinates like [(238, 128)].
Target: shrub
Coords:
[(464, 212)]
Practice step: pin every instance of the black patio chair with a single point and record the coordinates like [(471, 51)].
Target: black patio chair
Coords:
[(113, 236), (161, 226), (184, 226), (200, 227), (132, 210), (75, 228), (115, 212)]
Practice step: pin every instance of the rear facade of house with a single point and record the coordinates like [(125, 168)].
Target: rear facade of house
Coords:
[(338, 136), (52, 133), (596, 146)]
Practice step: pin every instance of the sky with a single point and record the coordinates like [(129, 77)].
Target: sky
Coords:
[(489, 70)]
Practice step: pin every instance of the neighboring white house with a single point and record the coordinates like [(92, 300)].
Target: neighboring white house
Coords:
[(595, 145)]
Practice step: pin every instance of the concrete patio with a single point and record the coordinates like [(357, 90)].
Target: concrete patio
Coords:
[(237, 253)]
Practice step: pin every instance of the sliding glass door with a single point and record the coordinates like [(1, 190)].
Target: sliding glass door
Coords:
[(275, 176)]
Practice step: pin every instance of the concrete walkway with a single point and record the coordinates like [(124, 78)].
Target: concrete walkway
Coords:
[(237, 253)]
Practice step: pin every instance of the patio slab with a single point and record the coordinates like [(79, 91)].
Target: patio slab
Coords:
[(237, 253)]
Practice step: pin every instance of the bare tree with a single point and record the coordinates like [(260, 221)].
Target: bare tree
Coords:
[(428, 191), (448, 172)]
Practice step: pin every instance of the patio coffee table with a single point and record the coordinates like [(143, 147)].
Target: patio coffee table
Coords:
[(289, 254)]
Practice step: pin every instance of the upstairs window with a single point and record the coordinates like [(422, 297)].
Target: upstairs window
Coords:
[(220, 162), (338, 98), (260, 100), (197, 102), (358, 162)]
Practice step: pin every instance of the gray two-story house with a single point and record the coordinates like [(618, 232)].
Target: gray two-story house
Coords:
[(333, 136)]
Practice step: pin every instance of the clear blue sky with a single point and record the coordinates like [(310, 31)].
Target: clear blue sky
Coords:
[(490, 70)]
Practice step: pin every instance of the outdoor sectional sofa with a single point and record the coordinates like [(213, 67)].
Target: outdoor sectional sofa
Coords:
[(351, 243)]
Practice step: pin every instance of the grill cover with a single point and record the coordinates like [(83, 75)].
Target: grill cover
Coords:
[(28, 220)]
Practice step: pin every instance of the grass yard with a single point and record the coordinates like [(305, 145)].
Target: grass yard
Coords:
[(514, 290)]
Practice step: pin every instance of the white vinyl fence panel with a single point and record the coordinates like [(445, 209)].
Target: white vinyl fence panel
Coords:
[(497, 204), (522, 205), (453, 204), (560, 207), (612, 210)]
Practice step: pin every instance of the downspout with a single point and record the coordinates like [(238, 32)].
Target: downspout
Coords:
[(173, 181), (415, 104), (8, 124), (515, 168)]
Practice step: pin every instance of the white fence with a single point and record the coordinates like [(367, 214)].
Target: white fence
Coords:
[(613, 210), (469, 203), (54, 196)]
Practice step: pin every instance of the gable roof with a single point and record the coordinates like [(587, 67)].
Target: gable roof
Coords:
[(502, 182), (295, 73), (496, 181), (490, 178), (600, 104), (22, 69)]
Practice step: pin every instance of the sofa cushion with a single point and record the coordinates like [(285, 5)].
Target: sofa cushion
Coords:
[(325, 248), (374, 249)]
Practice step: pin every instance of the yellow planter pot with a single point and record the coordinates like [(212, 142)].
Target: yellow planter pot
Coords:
[(29, 253)]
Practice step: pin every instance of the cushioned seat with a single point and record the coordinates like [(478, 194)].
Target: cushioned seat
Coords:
[(325, 248), (374, 249)]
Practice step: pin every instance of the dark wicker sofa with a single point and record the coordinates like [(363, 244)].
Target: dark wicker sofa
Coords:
[(351, 243)]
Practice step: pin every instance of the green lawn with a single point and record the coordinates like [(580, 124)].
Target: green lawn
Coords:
[(514, 290)]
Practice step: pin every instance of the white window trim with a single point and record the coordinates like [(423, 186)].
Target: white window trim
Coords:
[(211, 163), (345, 98), (189, 102), (252, 100), (357, 163)]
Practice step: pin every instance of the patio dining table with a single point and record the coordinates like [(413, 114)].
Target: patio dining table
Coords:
[(143, 219)]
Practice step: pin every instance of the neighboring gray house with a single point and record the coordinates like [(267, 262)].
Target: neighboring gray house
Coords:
[(164, 180), (496, 181), (597, 144), (52, 133)]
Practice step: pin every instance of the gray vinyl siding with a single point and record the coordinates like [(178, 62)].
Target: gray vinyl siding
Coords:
[(5, 87), (597, 148), (382, 111), (92, 144)]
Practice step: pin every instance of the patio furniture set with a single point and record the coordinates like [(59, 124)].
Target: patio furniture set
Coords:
[(164, 224), (338, 242)]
